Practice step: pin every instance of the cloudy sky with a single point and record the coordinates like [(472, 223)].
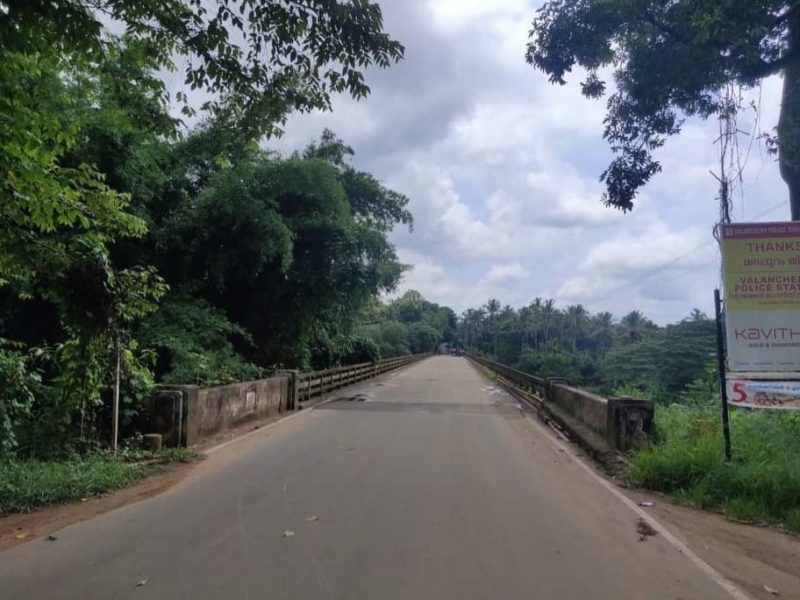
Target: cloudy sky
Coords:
[(501, 169)]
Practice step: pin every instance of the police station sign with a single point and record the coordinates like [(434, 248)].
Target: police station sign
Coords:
[(761, 272)]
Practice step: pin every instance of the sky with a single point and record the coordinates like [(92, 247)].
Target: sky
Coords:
[(502, 172)]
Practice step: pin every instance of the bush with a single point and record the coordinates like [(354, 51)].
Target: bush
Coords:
[(193, 343), (761, 483), (577, 368), (16, 395), (25, 485), (29, 484), (359, 349)]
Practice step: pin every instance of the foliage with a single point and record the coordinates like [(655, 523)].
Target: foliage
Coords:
[(762, 483), (106, 206), (30, 484), (16, 394), (194, 343), (573, 367), (409, 324), (256, 61), (594, 351), (670, 60), (665, 362), (422, 338), (359, 349), (276, 245), (53, 213)]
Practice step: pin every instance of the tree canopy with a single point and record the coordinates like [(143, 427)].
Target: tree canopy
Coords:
[(184, 255), (257, 59), (669, 60), (631, 355)]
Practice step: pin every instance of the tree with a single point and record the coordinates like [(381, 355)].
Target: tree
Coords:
[(671, 60), (575, 321), (275, 244), (603, 331), (256, 60), (634, 326), (422, 338), (492, 308), (372, 202)]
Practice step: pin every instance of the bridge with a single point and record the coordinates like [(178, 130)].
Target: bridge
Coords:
[(427, 482)]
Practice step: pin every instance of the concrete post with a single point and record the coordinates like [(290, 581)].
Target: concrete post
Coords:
[(293, 396), (551, 382), (630, 422)]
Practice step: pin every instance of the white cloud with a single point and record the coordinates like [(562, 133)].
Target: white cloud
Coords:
[(505, 275), (444, 224), (502, 172)]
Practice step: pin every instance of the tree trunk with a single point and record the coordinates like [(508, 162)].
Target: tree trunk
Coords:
[(789, 123)]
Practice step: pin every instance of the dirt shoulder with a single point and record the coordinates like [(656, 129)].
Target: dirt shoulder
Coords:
[(760, 560)]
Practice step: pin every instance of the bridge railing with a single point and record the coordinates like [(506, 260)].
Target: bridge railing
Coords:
[(520, 379), (624, 423), (319, 383)]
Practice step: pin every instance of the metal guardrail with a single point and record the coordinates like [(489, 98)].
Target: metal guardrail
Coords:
[(530, 383), (317, 383)]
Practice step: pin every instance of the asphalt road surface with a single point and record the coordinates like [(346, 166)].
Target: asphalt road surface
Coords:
[(431, 484)]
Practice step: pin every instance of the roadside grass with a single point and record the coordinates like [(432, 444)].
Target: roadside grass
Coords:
[(762, 482), (29, 484)]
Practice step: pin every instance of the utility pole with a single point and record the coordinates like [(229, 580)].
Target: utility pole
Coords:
[(115, 409)]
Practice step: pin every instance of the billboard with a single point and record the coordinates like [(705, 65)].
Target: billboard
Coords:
[(761, 274), (764, 394)]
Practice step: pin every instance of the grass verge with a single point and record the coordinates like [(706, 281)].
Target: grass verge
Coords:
[(760, 484), (29, 484)]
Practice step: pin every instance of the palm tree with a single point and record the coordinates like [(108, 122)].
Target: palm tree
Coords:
[(549, 314), (576, 317), (603, 331), (525, 318), (492, 308), (536, 320), (634, 326)]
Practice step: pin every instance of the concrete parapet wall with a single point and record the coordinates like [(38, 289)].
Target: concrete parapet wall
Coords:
[(590, 409), (624, 423), (186, 414), (219, 408)]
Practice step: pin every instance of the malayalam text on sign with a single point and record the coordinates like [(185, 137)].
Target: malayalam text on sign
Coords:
[(761, 268)]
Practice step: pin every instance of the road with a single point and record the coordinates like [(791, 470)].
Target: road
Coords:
[(431, 485)]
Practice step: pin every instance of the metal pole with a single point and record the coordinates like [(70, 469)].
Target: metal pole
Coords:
[(115, 410), (723, 387)]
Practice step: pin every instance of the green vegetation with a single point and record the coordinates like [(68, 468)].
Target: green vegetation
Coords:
[(671, 60), (594, 351), (26, 485), (761, 483), (184, 255), (408, 325)]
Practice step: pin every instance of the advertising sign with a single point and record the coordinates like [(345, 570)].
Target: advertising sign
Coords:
[(764, 394), (761, 271)]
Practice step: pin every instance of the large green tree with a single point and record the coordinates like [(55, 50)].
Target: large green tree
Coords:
[(669, 60), (257, 59)]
